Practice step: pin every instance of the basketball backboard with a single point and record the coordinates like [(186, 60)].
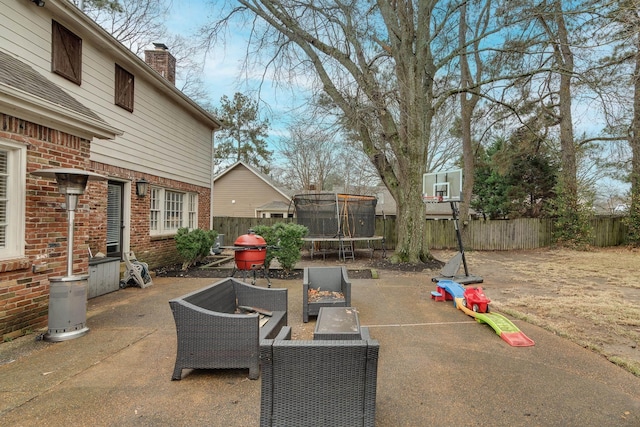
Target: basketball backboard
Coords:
[(444, 186)]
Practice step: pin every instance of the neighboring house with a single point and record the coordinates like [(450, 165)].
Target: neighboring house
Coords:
[(71, 96), (243, 191), (441, 210), (386, 204)]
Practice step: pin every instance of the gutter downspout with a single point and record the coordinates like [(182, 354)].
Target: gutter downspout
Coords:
[(212, 175)]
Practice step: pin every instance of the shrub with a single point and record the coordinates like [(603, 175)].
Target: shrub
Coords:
[(571, 226), (194, 245), (284, 243), (267, 233), (633, 221), (289, 243)]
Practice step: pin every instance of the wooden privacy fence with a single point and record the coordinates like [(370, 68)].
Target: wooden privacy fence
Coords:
[(513, 234)]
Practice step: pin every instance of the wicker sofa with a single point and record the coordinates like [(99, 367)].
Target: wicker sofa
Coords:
[(213, 334), (319, 382), (333, 279)]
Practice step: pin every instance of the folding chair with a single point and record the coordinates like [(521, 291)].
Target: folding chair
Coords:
[(137, 271)]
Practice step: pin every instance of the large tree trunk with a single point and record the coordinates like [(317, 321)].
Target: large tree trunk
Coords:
[(634, 142), (410, 223), (468, 101), (564, 58)]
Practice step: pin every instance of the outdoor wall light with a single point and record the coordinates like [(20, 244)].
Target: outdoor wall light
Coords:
[(39, 3), (142, 186)]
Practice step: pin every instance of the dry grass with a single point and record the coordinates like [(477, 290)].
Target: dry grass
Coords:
[(589, 297)]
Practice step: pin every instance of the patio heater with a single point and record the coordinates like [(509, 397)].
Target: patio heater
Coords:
[(68, 294)]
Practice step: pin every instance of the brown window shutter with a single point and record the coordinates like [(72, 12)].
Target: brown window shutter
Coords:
[(66, 53), (124, 88)]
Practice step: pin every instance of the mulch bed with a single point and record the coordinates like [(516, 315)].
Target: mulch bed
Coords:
[(221, 272), (363, 271)]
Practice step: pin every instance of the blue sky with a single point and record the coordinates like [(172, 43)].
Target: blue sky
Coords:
[(222, 70), (222, 67)]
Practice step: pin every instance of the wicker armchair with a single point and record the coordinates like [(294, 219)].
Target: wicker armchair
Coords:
[(211, 333), (318, 383), (334, 279)]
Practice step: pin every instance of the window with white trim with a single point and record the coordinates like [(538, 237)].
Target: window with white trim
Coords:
[(12, 200), (171, 210), (193, 211)]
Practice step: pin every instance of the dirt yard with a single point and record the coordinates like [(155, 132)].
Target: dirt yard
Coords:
[(591, 298)]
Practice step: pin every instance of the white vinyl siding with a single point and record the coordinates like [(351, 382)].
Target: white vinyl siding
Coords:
[(240, 193), (160, 126), (12, 202), (171, 210)]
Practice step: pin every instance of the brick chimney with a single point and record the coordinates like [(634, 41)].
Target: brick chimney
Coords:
[(162, 61)]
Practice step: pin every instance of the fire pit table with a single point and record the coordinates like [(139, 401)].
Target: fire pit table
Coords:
[(337, 323)]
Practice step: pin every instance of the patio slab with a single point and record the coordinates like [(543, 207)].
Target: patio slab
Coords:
[(437, 367)]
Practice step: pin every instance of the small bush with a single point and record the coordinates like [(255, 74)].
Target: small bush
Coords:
[(284, 241), (194, 245), (290, 243), (571, 226), (633, 221), (267, 233)]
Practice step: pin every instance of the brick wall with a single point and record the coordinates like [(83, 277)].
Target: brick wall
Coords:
[(24, 282), (163, 62), (157, 251)]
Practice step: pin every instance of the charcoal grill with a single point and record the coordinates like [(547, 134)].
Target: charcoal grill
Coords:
[(250, 252)]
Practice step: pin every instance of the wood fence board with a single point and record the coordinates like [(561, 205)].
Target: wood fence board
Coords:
[(515, 234)]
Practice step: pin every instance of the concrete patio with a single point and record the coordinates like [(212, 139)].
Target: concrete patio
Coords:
[(437, 367)]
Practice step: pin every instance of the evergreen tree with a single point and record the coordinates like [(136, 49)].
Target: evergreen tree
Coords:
[(490, 186), (242, 135)]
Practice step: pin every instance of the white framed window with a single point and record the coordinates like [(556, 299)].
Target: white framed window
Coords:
[(171, 210), (13, 166), (193, 211)]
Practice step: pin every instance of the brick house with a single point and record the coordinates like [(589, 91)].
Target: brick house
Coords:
[(71, 96)]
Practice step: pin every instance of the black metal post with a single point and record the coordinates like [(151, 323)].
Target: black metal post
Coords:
[(455, 212)]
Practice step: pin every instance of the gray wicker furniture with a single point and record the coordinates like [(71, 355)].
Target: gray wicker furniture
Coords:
[(333, 279), (328, 383), (211, 334), (337, 323)]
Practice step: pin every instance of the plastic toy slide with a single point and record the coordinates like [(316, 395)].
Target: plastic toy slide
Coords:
[(503, 326), (448, 290)]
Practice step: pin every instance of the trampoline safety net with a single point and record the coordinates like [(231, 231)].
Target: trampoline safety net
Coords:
[(333, 215)]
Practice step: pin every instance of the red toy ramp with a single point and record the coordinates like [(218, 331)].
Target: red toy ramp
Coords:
[(517, 339)]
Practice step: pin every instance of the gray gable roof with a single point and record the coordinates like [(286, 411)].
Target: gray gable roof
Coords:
[(18, 75)]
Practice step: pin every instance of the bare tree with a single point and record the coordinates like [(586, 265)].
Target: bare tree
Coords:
[(383, 65), (308, 157), (551, 18), (134, 23), (625, 15), (470, 86), (317, 156), (137, 24)]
